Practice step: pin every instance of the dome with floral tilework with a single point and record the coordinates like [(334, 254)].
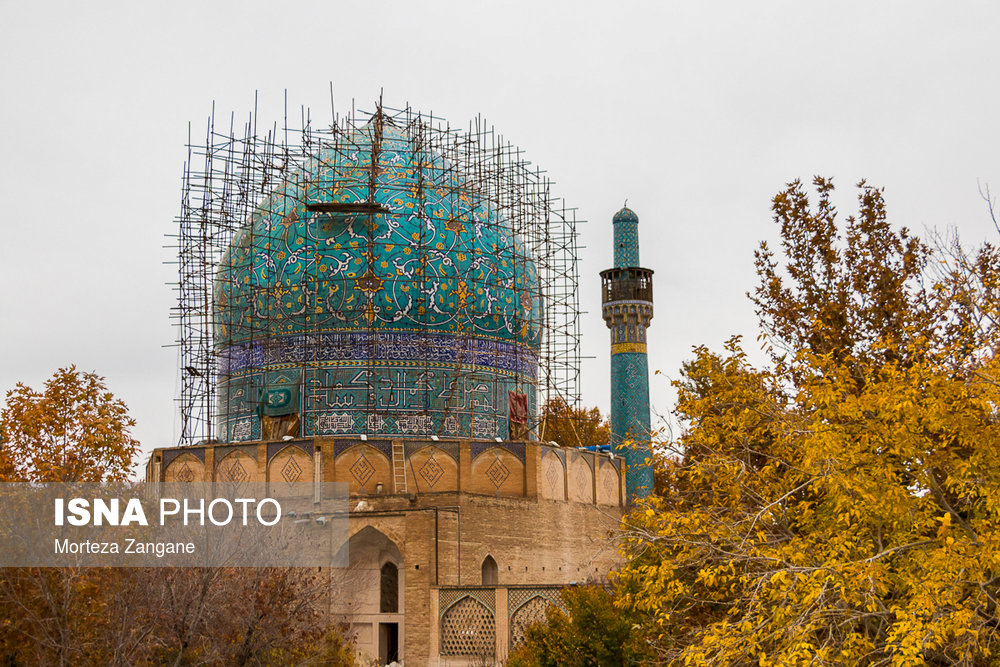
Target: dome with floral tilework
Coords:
[(385, 289)]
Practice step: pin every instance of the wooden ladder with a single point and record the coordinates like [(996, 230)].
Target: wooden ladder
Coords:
[(398, 467)]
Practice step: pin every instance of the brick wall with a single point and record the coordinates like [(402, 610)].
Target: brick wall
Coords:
[(542, 513)]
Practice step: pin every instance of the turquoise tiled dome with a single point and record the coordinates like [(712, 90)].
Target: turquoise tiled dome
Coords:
[(384, 308), (625, 215)]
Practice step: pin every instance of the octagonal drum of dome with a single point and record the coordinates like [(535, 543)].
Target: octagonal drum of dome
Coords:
[(376, 290)]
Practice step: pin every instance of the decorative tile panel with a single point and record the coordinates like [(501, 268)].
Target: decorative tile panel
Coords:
[(416, 320), (291, 472), (515, 448), (234, 471), (171, 454), (185, 474), (306, 446)]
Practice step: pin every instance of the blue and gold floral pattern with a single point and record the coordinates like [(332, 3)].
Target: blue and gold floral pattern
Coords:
[(393, 290)]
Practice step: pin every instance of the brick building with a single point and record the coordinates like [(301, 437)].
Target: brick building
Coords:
[(457, 545)]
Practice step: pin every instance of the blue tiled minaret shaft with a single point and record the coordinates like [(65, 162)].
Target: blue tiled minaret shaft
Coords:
[(627, 307)]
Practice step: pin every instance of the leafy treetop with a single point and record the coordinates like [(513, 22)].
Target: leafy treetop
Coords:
[(573, 427), (841, 504), (75, 430)]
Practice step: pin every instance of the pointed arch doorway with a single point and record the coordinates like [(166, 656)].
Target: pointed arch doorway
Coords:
[(370, 596)]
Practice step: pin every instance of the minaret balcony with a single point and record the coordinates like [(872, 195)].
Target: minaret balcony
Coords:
[(629, 284)]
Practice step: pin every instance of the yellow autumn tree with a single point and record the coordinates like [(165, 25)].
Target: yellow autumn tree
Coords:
[(573, 426), (75, 430), (841, 504)]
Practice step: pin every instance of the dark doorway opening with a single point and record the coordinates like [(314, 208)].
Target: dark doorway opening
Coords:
[(388, 643)]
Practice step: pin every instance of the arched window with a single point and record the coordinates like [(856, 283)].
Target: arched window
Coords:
[(389, 589), (489, 571)]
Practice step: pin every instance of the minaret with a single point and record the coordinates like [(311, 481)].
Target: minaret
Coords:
[(627, 307)]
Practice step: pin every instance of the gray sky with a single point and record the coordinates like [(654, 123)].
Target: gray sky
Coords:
[(697, 112)]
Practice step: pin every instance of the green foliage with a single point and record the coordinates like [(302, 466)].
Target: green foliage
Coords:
[(594, 634)]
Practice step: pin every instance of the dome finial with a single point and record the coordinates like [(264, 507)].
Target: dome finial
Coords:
[(625, 214)]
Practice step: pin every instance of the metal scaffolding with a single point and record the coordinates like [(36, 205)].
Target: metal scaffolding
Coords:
[(242, 185)]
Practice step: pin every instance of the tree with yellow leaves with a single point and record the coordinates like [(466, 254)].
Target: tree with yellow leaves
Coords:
[(73, 431), (77, 431), (841, 504), (573, 426)]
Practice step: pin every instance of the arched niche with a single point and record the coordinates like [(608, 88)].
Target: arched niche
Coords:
[(389, 588), (237, 467), (498, 472), (430, 469), (468, 628), (369, 594), (553, 477), (581, 480), (535, 610), (490, 571), (363, 467), (289, 471), (360, 586), (608, 485), (185, 468)]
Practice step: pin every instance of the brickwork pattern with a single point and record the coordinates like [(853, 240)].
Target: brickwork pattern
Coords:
[(528, 606), (468, 627), (443, 532)]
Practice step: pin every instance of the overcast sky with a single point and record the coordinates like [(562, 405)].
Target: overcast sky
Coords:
[(697, 112)]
